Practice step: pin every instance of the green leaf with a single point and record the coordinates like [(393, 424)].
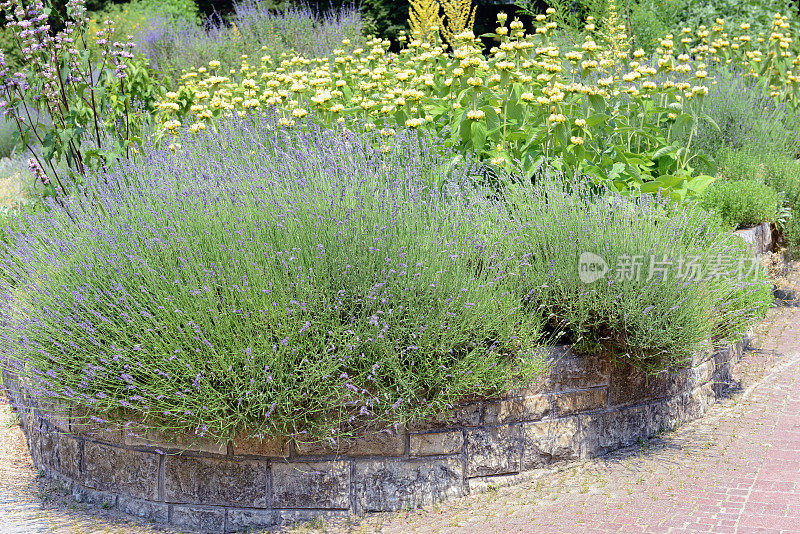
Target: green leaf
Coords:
[(478, 135), (596, 119)]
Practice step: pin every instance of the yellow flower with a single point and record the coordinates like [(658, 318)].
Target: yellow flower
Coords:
[(475, 114), (556, 118), (299, 113), (581, 123), (576, 140)]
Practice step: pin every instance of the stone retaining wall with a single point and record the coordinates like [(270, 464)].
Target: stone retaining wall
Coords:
[(758, 238), (585, 407)]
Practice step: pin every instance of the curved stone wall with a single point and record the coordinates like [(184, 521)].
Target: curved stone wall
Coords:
[(585, 407)]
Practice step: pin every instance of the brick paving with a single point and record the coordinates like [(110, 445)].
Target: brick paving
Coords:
[(735, 470)]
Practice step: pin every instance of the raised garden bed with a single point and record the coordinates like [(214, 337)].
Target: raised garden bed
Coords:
[(585, 407)]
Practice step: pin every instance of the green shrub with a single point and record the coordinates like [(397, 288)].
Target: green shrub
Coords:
[(657, 321), (296, 284), (741, 203)]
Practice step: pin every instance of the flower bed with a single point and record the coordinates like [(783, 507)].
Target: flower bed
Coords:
[(585, 406)]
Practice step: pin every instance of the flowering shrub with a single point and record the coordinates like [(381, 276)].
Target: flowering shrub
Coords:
[(624, 122), (300, 282), (286, 284), (94, 111), (675, 277)]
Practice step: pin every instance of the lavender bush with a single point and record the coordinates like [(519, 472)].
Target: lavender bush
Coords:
[(253, 29), (273, 284), (743, 116), (651, 308)]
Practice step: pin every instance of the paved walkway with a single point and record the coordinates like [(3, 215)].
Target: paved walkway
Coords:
[(735, 470)]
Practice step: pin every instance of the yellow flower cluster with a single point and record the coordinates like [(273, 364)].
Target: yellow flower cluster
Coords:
[(525, 82)]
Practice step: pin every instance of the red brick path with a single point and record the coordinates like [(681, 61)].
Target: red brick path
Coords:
[(735, 470)]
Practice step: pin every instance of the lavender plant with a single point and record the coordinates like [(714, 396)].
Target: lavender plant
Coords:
[(675, 280), (743, 116), (252, 30), (96, 110), (270, 283)]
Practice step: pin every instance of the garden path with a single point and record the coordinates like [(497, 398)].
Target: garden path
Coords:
[(735, 470)]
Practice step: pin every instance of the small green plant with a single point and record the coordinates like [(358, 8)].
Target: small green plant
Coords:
[(741, 203)]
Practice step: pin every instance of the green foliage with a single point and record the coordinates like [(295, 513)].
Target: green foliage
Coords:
[(654, 320), (319, 291), (757, 13), (570, 14), (9, 137), (741, 203), (651, 20)]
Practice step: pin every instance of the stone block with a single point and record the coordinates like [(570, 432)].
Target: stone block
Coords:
[(151, 511), (437, 443), (48, 453), (577, 371), (667, 414), (630, 385), (253, 446), (298, 517), (701, 374), (249, 519), (703, 354), (215, 481), (111, 435), (55, 413), (469, 414), (758, 238), (69, 455), (92, 496), (549, 441), (139, 437), (370, 444), (496, 412), (203, 518), (536, 407), (383, 485), (699, 401), (585, 400), (311, 484), (614, 429), (493, 451), (113, 469)]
